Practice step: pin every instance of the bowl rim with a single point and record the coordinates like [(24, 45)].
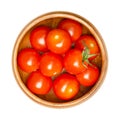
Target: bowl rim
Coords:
[(95, 33)]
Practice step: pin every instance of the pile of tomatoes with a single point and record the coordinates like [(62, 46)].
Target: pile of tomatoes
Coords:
[(59, 59)]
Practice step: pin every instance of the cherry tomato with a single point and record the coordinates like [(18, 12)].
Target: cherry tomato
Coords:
[(66, 86), (73, 61), (58, 41), (38, 38), (28, 59), (38, 83), (89, 42), (73, 27), (51, 64), (89, 76)]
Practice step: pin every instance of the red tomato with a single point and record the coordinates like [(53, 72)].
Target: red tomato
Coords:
[(88, 41), (74, 28), (51, 64), (73, 61), (28, 59), (89, 76), (66, 86), (38, 83), (38, 38), (58, 41)]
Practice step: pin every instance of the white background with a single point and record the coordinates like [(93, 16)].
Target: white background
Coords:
[(14, 15)]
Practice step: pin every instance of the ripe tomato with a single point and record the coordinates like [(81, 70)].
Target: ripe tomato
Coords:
[(58, 41), (72, 27), (51, 64), (73, 61), (28, 59), (89, 76), (89, 42), (66, 86), (38, 83), (38, 38)]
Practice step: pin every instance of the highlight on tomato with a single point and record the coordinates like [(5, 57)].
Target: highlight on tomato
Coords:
[(73, 27), (89, 77), (28, 60), (88, 44), (58, 41), (38, 38), (66, 86), (59, 59), (51, 64), (73, 62), (38, 83)]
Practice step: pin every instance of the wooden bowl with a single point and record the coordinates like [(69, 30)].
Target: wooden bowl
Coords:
[(52, 19)]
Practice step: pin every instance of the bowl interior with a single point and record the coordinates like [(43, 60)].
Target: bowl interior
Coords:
[(23, 42)]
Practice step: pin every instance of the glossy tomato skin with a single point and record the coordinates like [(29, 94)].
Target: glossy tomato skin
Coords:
[(73, 61), (28, 60), (38, 83), (73, 27), (89, 77), (58, 41), (38, 38), (89, 42), (66, 86), (51, 64)]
